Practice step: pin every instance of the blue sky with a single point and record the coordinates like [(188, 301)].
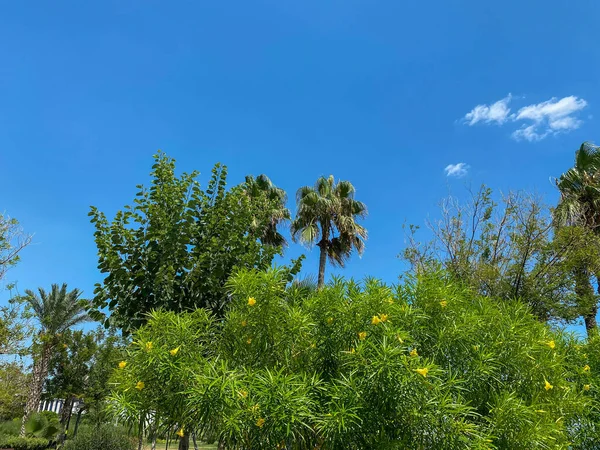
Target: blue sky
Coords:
[(386, 94)]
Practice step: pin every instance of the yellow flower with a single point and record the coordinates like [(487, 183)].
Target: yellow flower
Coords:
[(249, 341), (244, 323), (148, 345), (414, 352), (375, 320), (180, 433), (551, 344), (330, 320), (140, 385), (443, 303), (362, 335), (260, 422), (547, 385), (352, 350), (122, 364), (65, 346), (586, 387), (251, 301), (243, 394), (586, 368), (383, 317), (422, 371)]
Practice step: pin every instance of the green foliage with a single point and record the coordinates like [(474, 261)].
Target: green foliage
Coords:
[(106, 437), (55, 311), (70, 364), (12, 240), (508, 250), (43, 425), (13, 390), (177, 245), (165, 355), (23, 443), (11, 427), (110, 350), (361, 365), (579, 207)]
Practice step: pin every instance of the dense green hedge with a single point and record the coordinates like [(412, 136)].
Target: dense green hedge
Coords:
[(21, 443), (106, 437)]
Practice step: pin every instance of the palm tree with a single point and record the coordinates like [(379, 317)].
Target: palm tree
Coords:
[(579, 206), (262, 187), (55, 311), (327, 215)]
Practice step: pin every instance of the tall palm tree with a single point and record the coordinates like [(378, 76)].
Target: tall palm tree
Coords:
[(263, 187), (327, 215), (579, 205), (55, 311)]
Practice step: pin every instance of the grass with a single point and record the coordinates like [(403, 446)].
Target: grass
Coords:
[(175, 445)]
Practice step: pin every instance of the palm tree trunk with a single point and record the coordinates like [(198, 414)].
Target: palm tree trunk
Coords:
[(34, 396), (184, 442), (322, 263), (586, 298)]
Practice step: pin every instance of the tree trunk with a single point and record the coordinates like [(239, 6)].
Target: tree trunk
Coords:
[(141, 435), (184, 442), (65, 416), (40, 372), (194, 440), (322, 263), (586, 298), (590, 321)]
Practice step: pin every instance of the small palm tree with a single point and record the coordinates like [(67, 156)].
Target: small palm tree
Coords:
[(579, 206), (263, 187), (327, 215), (55, 311)]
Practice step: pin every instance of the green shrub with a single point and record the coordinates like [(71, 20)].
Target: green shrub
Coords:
[(10, 427), (43, 425), (106, 437), (23, 443)]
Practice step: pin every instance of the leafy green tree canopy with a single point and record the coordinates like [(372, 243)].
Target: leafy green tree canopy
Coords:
[(176, 246)]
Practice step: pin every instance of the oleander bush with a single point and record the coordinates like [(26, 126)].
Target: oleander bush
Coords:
[(362, 365)]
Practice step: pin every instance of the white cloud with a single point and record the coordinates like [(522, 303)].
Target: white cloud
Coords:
[(497, 112), (529, 133), (456, 170), (540, 120)]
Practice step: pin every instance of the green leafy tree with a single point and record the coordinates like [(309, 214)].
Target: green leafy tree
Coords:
[(506, 249), (55, 312), (12, 241), (176, 247), (579, 206), (327, 214), (13, 390), (110, 350), (69, 369)]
